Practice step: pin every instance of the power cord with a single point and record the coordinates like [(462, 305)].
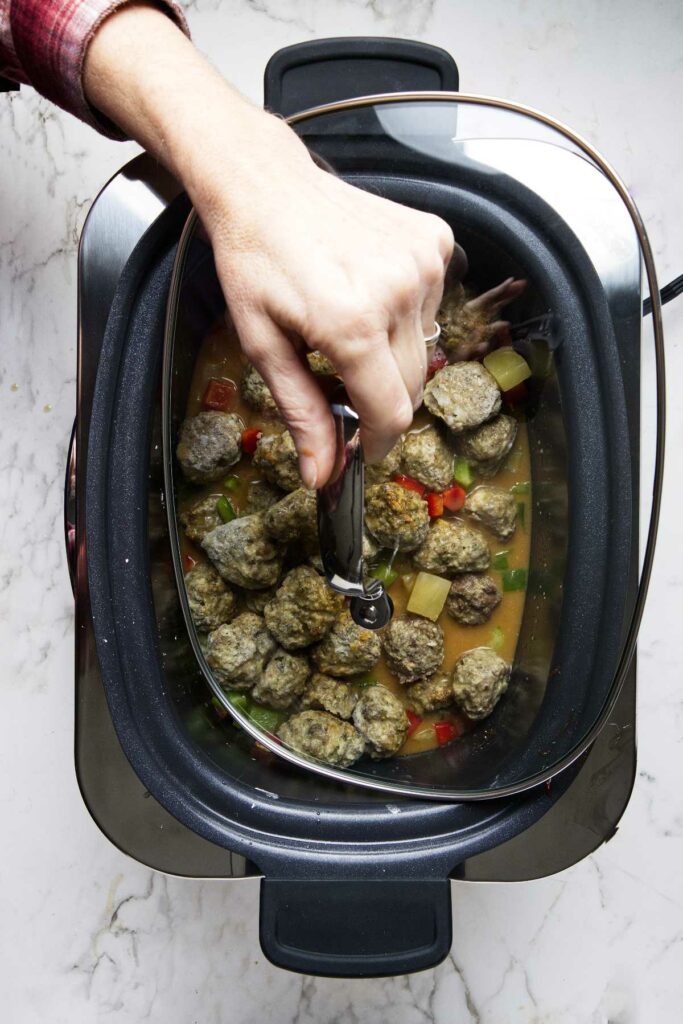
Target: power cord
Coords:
[(668, 292)]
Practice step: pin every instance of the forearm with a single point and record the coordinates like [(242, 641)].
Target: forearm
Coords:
[(144, 74)]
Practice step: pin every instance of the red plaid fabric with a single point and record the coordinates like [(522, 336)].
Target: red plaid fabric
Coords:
[(43, 44)]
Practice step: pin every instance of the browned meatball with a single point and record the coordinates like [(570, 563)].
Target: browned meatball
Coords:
[(463, 395), (472, 598), (495, 508), (294, 517), (432, 694), (276, 458), (200, 518), (452, 547), (237, 653), (321, 365), (413, 647), (486, 446), (244, 554), (303, 609), (283, 680), (378, 472), (348, 649), (396, 517), (261, 496), (256, 600), (323, 737), (480, 678), (323, 693), (382, 721), (209, 444), (256, 392), (211, 602), (428, 458)]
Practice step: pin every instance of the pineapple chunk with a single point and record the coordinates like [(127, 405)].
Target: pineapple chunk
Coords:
[(428, 595)]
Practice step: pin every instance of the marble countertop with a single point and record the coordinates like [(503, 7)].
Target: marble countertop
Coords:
[(88, 935)]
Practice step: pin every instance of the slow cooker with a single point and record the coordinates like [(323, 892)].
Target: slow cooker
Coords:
[(356, 883)]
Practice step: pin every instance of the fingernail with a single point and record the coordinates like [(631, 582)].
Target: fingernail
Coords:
[(309, 471)]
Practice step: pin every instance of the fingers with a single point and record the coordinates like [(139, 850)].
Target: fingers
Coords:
[(378, 393), (496, 299), (410, 353), (302, 404)]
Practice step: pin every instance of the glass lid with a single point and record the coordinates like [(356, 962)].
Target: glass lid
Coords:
[(516, 585)]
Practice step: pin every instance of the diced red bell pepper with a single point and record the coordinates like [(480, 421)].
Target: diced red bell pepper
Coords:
[(454, 498), (219, 394), (188, 562), (409, 483), (414, 721), (445, 732), (437, 361), (434, 504), (250, 438)]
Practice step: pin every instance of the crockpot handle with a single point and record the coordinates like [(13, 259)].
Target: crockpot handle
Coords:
[(355, 928), (326, 70)]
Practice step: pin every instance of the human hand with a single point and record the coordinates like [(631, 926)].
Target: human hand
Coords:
[(306, 260)]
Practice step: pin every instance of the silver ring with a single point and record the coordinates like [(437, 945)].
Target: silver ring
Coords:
[(432, 339)]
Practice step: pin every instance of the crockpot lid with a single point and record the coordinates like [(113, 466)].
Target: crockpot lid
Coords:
[(519, 174)]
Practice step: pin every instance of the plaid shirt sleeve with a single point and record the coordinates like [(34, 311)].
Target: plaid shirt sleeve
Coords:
[(43, 44)]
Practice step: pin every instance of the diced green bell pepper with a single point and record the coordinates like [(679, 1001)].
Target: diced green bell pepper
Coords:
[(521, 488), (266, 718), (521, 514), (515, 579), (385, 573), (225, 509), (462, 472), (500, 561)]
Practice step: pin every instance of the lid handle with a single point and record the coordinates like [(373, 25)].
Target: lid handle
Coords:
[(341, 504)]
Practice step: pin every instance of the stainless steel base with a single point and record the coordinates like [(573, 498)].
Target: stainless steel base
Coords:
[(585, 817)]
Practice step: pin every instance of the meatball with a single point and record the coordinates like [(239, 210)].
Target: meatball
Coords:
[(261, 496), (348, 649), (244, 554), (428, 458), (238, 652), (451, 547), (472, 599), (480, 677), (432, 694), (283, 681), (323, 693), (381, 720), (378, 472), (294, 517), (321, 365), (396, 517), (209, 444), (200, 518), (256, 600), (303, 609), (324, 737), (463, 395), (487, 445), (256, 392), (495, 508), (413, 648), (211, 602), (276, 458)]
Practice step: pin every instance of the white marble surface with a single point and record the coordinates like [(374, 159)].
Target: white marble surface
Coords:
[(87, 935)]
